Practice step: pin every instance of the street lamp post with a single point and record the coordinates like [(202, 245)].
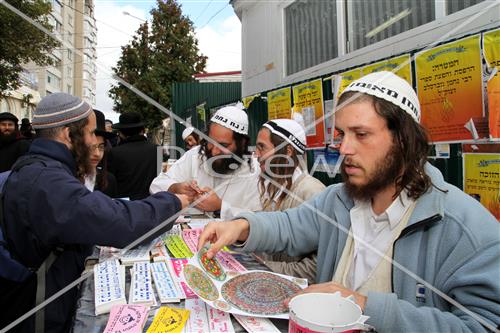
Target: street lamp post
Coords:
[(137, 18)]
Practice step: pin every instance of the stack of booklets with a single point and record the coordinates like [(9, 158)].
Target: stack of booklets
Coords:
[(127, 318), (109, 286), (140, 254), (141, 286), (166, 286)]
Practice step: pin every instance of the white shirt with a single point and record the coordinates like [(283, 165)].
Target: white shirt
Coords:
[(376, 231), (238, 190), (90, 182)]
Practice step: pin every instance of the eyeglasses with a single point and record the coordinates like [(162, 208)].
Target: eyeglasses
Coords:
[(100, 146)]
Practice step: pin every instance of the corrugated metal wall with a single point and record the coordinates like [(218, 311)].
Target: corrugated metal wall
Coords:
[(187, 95)]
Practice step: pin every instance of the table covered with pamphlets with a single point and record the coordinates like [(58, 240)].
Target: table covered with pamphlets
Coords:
[(166, 285)]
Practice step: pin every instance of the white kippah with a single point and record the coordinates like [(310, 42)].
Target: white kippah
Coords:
[(290, 130), (233, 118), (187, 132), (392, 88)]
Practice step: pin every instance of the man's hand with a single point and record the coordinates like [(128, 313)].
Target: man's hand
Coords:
[(220, 234), (184, 200), (187, 188), (209, 201), (332, 287)]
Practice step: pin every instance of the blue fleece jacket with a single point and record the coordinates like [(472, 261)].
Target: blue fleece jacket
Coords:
[(451, 241)]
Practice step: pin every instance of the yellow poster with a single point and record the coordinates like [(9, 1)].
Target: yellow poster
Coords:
[(279, 103), (491, 48), (401, 66), (449, 85), (347, 78), (482, 179), (248, 100), (308, 100)]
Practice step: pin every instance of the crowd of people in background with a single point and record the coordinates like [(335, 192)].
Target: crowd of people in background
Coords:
[(75, 179)]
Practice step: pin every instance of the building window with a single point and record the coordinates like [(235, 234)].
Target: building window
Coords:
[(372, 21), (53, 80), (311, 34), (453, 6), (69, 72), (70, 20), (56, 6), (69, 37), (69, 89), (70, 55)]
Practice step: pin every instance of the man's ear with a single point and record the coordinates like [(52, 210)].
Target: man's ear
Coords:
[(65, 137), (289, 150)]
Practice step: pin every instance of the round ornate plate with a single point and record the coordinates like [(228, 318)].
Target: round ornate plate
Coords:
[(200, 283), (260, 293), (211, 266)]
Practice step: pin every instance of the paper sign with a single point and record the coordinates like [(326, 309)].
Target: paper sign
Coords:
[(308, 100), (177, 246), (127, 318), (449, 82), (168, 320)]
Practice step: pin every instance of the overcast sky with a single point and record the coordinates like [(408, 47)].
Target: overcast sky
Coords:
[(217, 28)]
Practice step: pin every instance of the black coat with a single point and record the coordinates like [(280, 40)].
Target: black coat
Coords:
[(134, 164), (11, 151)]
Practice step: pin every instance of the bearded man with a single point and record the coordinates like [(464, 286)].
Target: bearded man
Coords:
[(48, 212), (12, 143), (392, 204), (219, 173)]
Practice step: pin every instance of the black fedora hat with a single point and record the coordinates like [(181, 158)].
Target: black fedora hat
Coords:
[(129, 120), (8, 116), (101, 127)]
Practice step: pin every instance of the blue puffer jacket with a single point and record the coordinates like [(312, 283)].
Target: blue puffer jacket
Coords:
[(45, 207), (451, 241)]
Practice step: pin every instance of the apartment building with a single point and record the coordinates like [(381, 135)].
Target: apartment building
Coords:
[(74, 70)]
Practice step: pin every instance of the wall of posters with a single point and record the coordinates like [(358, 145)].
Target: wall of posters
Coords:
[(491, 49), (279, 103), (402, 62), (482, 175), (449, 86), (308, 100)]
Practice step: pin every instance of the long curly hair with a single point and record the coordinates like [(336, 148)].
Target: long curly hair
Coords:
[(410, 138), (283, 172)]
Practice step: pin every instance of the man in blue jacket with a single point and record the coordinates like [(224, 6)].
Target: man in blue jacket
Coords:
[(47, 206), (445, 246)]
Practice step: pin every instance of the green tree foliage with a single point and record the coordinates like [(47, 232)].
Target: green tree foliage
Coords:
[(157, 56), (21, 42)]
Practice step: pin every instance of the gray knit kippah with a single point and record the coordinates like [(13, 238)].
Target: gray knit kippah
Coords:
[(59, 109)]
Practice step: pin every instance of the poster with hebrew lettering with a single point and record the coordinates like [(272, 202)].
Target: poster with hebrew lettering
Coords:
[(308, 100), (450, 89), (481, 165), (491, 49), (401, 66), (279, 104)]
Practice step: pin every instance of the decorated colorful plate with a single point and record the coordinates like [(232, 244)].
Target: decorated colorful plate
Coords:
[(211, 266), (200, 283), (260, 293)]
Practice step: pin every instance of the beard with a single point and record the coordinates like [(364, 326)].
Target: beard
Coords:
[(222, 164), (6, 139), (385, 174)]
